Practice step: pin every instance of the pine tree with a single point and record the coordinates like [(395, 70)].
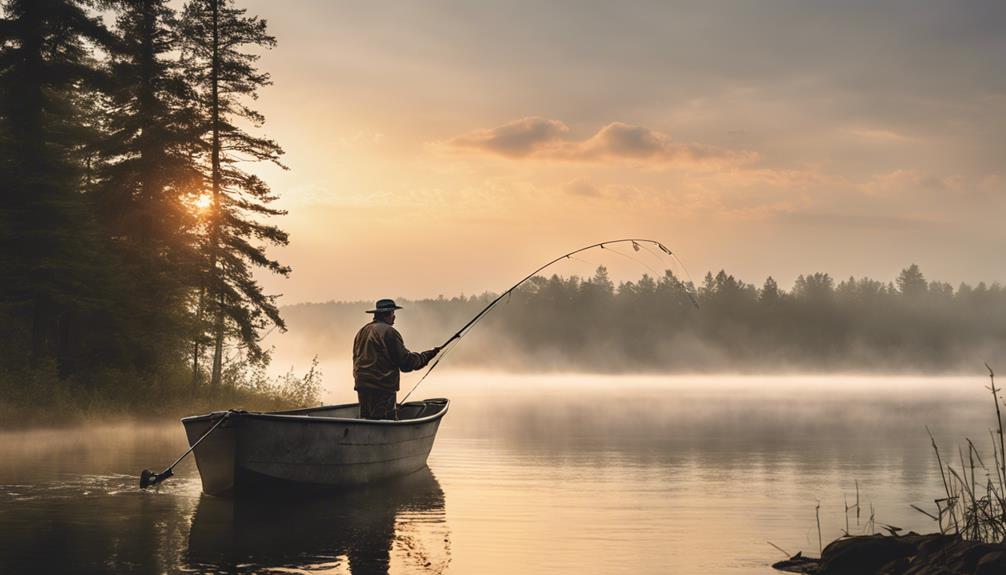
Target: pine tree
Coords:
[(770, 294), (148, 180), (216, 39), (52, 265), (816, 288), (911, 283)]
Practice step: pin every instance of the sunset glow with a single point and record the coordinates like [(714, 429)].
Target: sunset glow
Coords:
[(502, 286), (203, 203), (764, 152)]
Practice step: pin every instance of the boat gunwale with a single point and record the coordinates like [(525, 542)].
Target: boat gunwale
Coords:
[(294, 416)]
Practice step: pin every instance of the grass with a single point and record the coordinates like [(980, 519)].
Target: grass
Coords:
[(40, 398), (974, 501)]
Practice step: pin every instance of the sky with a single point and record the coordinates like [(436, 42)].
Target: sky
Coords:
[(446, 147)]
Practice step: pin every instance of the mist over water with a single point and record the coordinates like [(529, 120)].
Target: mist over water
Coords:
[(534, 474), (612, 414), (558, 325)]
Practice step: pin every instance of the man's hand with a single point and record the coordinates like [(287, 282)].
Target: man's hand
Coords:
[(435, 350)]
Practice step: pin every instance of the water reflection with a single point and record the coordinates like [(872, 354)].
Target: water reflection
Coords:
[(91, 524), (363, 531), (545, 475)]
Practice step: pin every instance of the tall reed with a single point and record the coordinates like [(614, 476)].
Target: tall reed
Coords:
[(973, 508)]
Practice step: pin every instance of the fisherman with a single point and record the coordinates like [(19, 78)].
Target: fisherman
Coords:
[(379, 353)]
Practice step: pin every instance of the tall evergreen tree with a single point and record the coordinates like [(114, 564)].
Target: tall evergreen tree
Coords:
[(148, 179), (48, 245), (217, 39), (911, 283), (770, 293)]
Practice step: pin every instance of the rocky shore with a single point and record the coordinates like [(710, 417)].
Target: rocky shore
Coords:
[(910, 554)]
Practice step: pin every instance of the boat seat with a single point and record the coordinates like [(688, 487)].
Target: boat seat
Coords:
[(418, 409)]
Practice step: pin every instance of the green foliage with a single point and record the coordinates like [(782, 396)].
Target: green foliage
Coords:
[(49, 248), (41, 396), (107, 138), (218, 43), (145, 180), (287, 389)]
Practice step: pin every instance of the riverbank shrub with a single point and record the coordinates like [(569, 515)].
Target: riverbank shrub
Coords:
[(41, 397)]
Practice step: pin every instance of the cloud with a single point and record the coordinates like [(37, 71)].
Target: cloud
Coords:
[(517, 139), (622, 140), (544, 139)]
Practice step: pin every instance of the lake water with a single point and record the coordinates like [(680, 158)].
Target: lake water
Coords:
[(529, 474)]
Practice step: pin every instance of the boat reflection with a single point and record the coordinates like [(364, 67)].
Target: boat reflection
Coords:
[(363, 531)]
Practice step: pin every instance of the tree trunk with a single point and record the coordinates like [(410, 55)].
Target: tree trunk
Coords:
[(218, 350), (200, 310), (218, 326)]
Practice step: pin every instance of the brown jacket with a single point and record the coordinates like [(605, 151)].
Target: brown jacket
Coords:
[(379, 354)]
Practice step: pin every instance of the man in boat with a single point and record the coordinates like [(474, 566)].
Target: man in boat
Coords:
[(379, 354)]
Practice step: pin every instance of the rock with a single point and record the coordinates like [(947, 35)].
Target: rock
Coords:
[(798, 564), (910, 554), (933, 550), (897, 567), (992, 564), (965, 556), (865, 554), (936, 543)]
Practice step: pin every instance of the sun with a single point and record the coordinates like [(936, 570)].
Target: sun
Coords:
[(203, 202)]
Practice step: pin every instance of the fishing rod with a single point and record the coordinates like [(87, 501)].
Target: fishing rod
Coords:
[(637, 244)]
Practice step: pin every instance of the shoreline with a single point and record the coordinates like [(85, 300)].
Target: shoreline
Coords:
[(67, 409), (908, 554)]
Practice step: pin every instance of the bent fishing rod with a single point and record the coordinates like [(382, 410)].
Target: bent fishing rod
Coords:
[(637, 244)]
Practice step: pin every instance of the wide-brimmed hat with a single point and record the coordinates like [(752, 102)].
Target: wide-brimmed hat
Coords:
[(384, 305)]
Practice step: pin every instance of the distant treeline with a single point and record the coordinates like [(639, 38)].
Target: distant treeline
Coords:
[(130, 226), (591, 324)]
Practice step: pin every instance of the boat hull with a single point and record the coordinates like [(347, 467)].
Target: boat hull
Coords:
[(318, 448)]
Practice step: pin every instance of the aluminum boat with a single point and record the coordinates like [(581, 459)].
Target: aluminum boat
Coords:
[(312, 448)]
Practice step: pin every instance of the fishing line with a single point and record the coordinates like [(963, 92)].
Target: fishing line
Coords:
[(637, 244), (684, 269), (581, 260), (684, 286), (650, 251), (637, 260), (656, 256)]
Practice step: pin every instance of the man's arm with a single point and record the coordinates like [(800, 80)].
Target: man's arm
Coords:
[(407, 360)]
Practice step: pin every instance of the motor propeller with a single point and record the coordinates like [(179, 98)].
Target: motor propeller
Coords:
[(148, 478)]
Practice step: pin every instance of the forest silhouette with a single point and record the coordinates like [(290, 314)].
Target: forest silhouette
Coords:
[(130, 227), (909, 324)]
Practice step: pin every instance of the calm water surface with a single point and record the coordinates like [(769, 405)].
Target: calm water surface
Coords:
[(530, 474)]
